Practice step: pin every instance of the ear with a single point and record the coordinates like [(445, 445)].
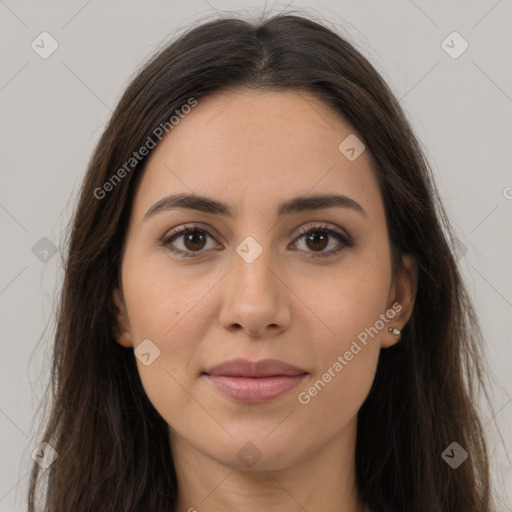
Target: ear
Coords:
[(401, 298), (121, 325)]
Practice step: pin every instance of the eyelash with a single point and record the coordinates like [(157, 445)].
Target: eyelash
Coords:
[(176, 233)]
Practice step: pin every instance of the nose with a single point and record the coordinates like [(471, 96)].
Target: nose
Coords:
[(255, 297)]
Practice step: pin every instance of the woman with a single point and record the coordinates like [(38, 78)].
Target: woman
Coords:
[(261, 310)]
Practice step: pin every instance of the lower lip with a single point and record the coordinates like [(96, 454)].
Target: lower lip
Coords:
[(255, 389)]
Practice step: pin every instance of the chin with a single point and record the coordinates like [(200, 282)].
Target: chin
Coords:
[(259, 453)]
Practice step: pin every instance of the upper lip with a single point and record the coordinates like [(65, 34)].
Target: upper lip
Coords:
[(262, 368)]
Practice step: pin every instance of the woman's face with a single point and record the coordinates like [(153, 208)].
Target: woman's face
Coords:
[(261, 280)]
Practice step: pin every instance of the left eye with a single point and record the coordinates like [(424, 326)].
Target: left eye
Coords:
[(316, 237)]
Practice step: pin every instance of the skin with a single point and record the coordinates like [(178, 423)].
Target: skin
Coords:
[(252, 150)]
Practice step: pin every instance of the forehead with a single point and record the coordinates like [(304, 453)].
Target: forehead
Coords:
[(259, 145)]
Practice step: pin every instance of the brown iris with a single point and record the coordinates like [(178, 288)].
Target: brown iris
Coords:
[(317, 237), (192, 238)]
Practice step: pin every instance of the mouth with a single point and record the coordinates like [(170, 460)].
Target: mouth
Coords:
[(254, 381)]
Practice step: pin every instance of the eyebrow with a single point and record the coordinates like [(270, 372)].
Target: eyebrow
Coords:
[(291, 206)]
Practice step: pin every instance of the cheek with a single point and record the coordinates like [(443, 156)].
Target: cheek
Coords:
[(333, 399), (165, 306), (163, 301), (347, 361), (349, 301), (352, 306)]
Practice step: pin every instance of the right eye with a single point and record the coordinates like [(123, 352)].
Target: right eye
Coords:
[(193, 238)]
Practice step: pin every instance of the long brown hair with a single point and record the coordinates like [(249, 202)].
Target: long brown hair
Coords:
[(113, 446)]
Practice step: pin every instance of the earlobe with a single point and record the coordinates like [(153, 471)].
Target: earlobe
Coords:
[(120, 327)]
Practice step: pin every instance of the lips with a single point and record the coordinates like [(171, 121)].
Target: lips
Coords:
[(254, 381)]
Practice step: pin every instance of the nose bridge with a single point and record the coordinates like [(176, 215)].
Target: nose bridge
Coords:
[(252, 275)]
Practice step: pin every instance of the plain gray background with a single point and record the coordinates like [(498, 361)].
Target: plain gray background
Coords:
[(53, 111)]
